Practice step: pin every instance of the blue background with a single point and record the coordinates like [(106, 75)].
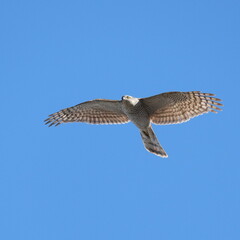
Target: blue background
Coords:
[(80, 181)]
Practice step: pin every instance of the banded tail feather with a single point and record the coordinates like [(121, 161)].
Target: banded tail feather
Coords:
[(151, 143)]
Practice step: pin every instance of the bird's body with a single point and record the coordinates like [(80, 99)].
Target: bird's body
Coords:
[(138, 115), (165, 108), (135, 111)]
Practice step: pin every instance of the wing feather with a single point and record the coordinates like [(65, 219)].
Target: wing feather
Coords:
[(98, 111), (178, 107)]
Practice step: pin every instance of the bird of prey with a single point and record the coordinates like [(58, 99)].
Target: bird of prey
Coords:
[(164, 108)]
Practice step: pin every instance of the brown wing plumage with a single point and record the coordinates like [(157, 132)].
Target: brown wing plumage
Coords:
[(99, 111), (178, 107)]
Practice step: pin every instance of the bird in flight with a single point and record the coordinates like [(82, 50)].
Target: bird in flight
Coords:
[(164, 108)]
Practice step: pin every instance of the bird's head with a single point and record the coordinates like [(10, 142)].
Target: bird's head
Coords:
[(126, 97), (130, 99)]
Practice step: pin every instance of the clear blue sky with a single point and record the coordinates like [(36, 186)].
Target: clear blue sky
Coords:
[(80, 181)]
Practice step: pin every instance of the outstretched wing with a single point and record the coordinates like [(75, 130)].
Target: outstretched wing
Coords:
[(99, 111), (178, 107)]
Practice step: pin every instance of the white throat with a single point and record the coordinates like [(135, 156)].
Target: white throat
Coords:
[(131, 100)]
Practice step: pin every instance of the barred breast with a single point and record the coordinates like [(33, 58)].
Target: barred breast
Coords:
[(136, 113)]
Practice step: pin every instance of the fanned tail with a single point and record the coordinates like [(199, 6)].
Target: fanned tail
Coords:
[(151, 142)]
